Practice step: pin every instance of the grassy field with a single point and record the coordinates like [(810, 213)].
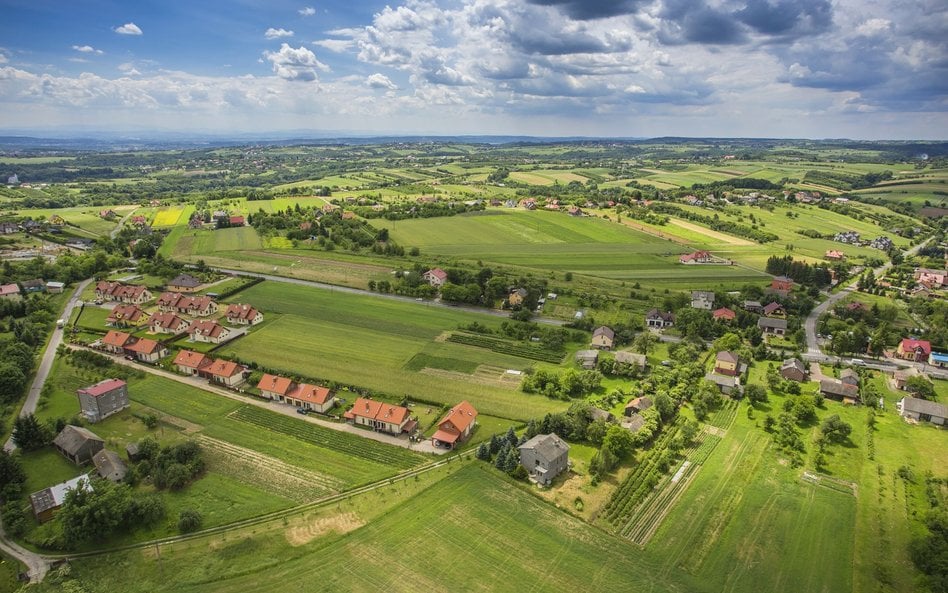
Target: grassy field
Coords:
[(170, 216), (372, 341)]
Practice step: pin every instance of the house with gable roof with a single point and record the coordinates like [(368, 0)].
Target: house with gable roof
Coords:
[(456, 426)]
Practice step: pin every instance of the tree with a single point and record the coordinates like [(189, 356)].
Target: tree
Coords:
[(644, 342), (689, 431), (618, 441), (755, 393), (189, 521), (511, 436), (12, 476), (30, 434), (95, 511), (483, 452), (12, 381), (511, 460), (665, 406), (835, 429), (920, 387)]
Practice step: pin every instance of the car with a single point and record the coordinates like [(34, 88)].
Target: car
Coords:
[(129, 357), (858, 362), (302, 411)]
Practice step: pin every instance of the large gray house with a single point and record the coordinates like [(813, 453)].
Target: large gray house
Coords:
[(103, 399), (922, 410), (545, 456)]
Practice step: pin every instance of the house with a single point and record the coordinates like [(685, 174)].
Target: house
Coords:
[(600, 415), (54, 287), (132, 452), (912, 349), (922, 410), (224, 372), (603, 338), (107, 213), (47, 501), (123, 293), (698, 257), (78, 444), (207, 330), (34, 285), (753, 307), (183, 283), (773, 310), (881, 243), (840, 391), (900, 377), (10, 291), (726, 383), (835, 255), (147, 350), (139, 220), (517, 296), (587, 358), (455, 426), (8, 228), (166, 323), (702, 299), (311, 397), (435, 277), (633, 423), (545, 456), (381, 416), (639, 404), (632, 358), (931, 278), (723, 314), (275, 387), (239, 314), (109, 465), (781, 285), (123, 315), (772, 325), (938, 359), (794, 370), (658, 320), (529, 203), (103, 399), (116, 341), (236, 220), (849, 377), (727, 363), (197, 306), (189, 362)]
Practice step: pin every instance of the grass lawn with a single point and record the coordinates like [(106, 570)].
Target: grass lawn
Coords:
[(47, 467), (374, 343)]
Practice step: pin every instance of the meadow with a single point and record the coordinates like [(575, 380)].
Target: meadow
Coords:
[(368, 341)]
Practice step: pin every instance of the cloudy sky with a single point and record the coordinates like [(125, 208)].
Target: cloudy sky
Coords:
[(761, 68)]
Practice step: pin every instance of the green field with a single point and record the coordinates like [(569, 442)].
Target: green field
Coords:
[(372, 341)]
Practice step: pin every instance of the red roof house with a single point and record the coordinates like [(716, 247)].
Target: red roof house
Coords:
[(190, 362), (435, 277), (455, 426), (912, 349), (723, 314), (381, 416), (243, 315)]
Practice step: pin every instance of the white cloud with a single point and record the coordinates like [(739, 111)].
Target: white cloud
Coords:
[(295, 63), (380, 81), (129, 69), (3, 58), (272, 33), (336, 45), (128, 29), (88, 49), (307, 11)]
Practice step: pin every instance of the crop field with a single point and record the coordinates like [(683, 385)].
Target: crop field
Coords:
[(372, 339), (547, 177), (85, 217), (168, 216)]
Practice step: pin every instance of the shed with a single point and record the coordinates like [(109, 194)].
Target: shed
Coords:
[(78, 444), (587, 358), (109, 465)]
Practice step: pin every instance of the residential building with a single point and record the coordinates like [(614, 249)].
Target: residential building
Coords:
[(47, 501), (123, 293), (794, 370), (836, 389), (931, 278), (723, 314), (183, 283), (774, 310), (698, 257), (109, 465), (223, 372), (632, 358), (381, 416), (912, 349), (456, 426), (167, 323), (311, 397), (781, 285), (207, 330), (938, 359), (587, 358), (189, 362), (638, 404), (435, 277), (53, 287), (115, 341), (197, 306), (98, 402), (545, 456), (656, 319), (78, 444), (10, 291), (603, 338), (753, 307), (125, 315), (727, 363), (275, 387), (632, 423), (849, 377), (835, 255), (33, 286), (147, 350), (517, 296), (900, 377), (772, 325), (726, 383), (922, 410), (702, 299), (239, 314)]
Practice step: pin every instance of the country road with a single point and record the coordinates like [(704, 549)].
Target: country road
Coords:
[(29, 406)]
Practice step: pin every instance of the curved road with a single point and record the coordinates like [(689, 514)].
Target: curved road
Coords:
[(29, 406)]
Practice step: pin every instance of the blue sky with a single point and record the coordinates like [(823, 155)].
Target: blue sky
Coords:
[(762, 68)]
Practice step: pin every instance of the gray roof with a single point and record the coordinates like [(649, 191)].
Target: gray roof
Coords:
[(772, 322), (600, 414), (186, 280), (53, 497), (547, 446), (793, 363), (587, 355), (72, 438), (727, 356), (633, 423), (604, 331), (921, 406), (640, 403), (656, 314), (721, 380), (849, 376), (837, 387), (753, 304), (627, 357), (109, 465), (704, 295)]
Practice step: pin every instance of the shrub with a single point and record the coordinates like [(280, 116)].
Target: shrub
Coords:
[(189, 521)]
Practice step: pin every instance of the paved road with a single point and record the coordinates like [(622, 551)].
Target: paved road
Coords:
[(203, 384), (393, 297), (29, 406), (121, 223), (812, 345)]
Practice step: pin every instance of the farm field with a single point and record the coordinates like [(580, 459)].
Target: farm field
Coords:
[(86, 217), (371, 342)]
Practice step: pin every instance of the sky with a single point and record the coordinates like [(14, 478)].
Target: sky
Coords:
[(863, 69)]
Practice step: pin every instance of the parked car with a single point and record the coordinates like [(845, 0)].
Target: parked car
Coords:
[(302, 411)]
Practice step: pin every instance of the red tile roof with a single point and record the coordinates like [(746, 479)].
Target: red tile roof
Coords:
[(224, 368), (8, 289), (125, 313), (438, 273), (191, 359), (102, 387), (116, 339), (144, 346), (376, 410), (239, 311), (316, 394), (166, 320), (275, 384), (207, 327), (723, 313), (911, 344), (457, 419)]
